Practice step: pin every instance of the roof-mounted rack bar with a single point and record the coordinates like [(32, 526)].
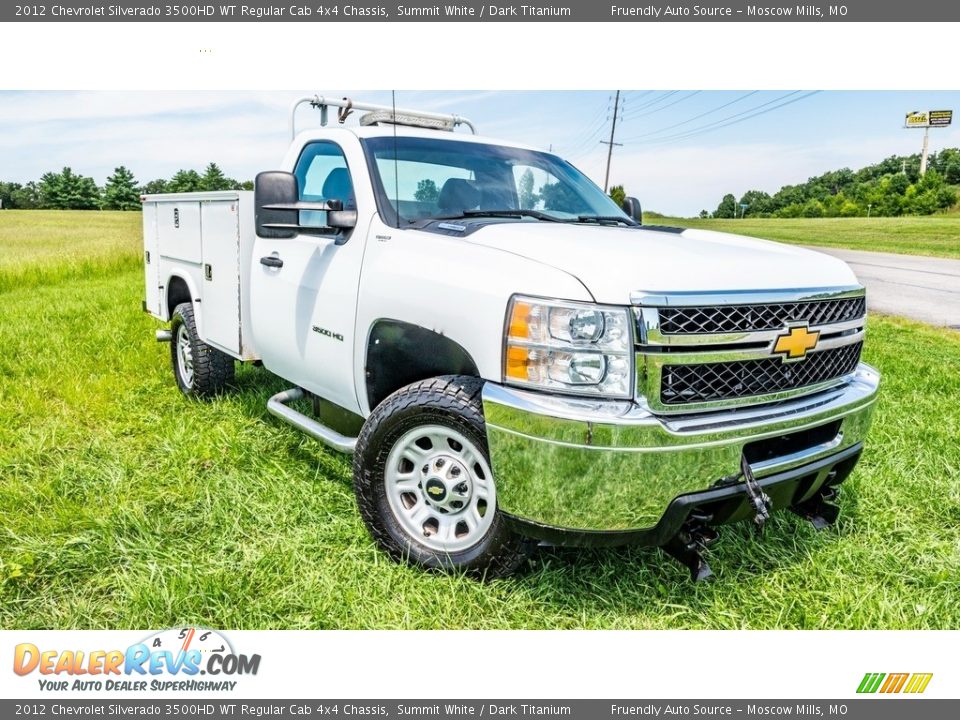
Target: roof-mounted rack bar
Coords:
[(376, 114)]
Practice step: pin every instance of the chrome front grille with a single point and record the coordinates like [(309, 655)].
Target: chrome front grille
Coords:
[(750, 318), (699, 352), (712, 382)]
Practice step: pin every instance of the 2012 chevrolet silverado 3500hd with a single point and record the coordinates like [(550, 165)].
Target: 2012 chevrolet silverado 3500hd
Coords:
[(510, 356)]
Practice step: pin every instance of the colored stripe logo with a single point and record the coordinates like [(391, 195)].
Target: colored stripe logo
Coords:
[(912, 683)]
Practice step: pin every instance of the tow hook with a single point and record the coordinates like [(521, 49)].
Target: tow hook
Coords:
[(818, 509), (696, 534), (758, 498), (688, 545)]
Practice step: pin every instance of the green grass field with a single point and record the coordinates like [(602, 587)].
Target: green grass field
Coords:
[(936, 235), (123, 505), (42, 247)]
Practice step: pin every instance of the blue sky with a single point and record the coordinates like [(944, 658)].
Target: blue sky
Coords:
[(673, 160)]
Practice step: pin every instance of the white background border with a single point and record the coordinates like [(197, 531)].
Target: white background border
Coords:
[(462, 56), (560, 664), (280, 56)]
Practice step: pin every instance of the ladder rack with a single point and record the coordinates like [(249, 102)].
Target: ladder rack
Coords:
[(376, 114)]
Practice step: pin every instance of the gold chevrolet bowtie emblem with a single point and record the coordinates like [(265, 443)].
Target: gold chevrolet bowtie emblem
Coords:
[(435, 490), (796, 343)]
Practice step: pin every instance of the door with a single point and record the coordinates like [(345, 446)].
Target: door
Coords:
[(303, 290), (178, 230), (151, 259), (221, 273)]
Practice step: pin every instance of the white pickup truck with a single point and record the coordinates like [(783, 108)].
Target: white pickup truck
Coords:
[(510, 356)]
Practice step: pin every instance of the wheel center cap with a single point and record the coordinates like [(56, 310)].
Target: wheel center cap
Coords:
[(435, 489), (446, 484)]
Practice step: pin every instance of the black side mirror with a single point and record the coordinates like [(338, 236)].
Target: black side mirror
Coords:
[(631, 206), (340, 219), (276, 198), (270, 191)]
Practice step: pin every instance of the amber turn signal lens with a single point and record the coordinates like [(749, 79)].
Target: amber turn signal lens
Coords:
[(518, 358), (520, 320)]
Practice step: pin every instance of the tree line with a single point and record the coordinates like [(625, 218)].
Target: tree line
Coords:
[(554, 196), (67, 190), (889, 188)]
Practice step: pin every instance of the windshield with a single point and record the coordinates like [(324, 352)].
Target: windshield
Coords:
[(425, 179)]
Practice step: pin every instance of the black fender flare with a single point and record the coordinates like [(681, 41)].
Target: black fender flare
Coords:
[(399, 353)]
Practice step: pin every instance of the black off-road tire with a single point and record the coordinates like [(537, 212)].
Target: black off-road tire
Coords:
[(453, 401), (213, 370)]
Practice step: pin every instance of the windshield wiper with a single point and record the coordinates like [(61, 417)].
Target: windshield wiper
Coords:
[(606, 219), (506, 212)]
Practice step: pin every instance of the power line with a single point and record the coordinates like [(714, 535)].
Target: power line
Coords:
[(695, 117), (654, 101), (719, 125), (736, 115), (706, 129), (584, 146), (634, 96), (748, 114), (587, 141), (728, 117), (664, 107), (590, 134)]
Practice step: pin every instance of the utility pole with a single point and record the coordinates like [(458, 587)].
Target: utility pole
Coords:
[(610, 143)]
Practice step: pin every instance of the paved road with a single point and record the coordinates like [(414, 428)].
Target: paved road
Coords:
[(918, 287)]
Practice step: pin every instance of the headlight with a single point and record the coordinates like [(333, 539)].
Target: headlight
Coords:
[(569, 347)]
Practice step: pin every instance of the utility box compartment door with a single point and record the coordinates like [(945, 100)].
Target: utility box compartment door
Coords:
[(221, 273), (151, 260), (178, 227)]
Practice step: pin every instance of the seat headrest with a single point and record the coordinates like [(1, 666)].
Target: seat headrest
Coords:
[(458, 195), (338, 186)]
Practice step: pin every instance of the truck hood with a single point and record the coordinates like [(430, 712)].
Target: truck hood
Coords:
[(613, 262)]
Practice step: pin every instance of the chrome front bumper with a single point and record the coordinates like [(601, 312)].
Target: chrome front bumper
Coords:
[(587, 465)]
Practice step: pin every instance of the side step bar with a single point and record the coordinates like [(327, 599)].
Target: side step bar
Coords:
[(277, 406)]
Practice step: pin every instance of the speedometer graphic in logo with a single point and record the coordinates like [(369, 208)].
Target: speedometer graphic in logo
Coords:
[(182, 640)]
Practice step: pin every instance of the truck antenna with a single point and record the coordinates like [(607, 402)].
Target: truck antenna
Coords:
[(396, 164)]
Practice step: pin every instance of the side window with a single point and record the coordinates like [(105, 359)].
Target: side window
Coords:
[(322, 174)]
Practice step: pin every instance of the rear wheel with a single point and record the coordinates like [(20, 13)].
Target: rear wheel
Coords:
[(199, 369), (424, 485)]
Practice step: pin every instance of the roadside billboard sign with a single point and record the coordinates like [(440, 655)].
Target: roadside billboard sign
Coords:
[(928, 118), (940, 118)]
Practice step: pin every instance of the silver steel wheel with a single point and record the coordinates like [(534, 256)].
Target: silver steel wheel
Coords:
[(184, 355), (440, 488)]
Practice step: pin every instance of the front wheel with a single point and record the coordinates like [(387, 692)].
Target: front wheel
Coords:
[(424, 485)]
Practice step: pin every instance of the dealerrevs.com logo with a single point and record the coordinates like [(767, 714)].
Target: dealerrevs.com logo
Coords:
[(179, 659)]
